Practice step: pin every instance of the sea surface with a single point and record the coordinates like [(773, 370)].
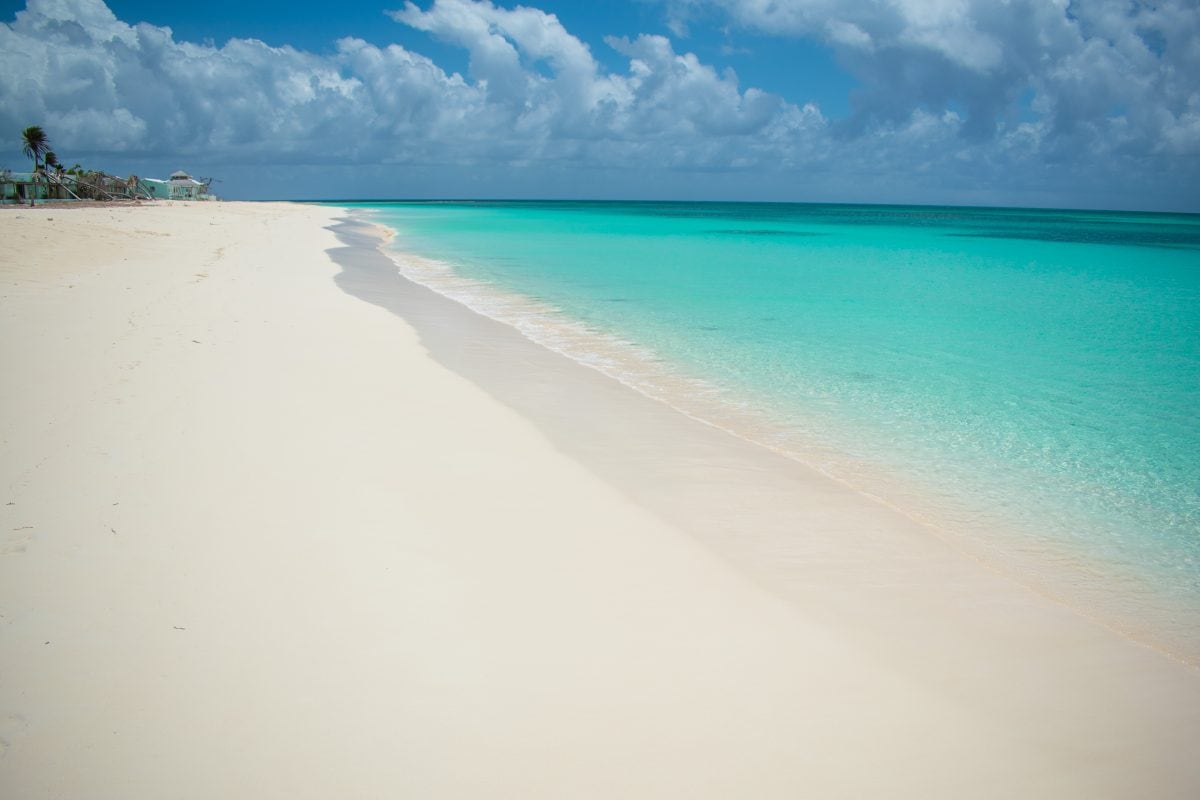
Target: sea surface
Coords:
[(1026, 382)]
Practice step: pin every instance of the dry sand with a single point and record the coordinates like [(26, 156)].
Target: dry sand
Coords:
[(262, 539)]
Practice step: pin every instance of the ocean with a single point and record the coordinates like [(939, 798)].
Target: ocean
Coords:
[(1026, 382)]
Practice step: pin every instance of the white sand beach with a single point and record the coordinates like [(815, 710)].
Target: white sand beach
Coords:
[(277, 523)]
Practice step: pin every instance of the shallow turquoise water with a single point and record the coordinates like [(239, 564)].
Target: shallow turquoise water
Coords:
[(1027, 378)]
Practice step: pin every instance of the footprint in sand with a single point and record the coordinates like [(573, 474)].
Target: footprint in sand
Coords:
[(15, 541), (12, 728)]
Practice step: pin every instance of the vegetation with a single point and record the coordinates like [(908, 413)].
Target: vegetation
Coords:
[(85, 184), (61, 183), (36, 145)]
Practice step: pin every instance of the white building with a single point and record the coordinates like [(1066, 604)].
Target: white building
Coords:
[(180, 186)]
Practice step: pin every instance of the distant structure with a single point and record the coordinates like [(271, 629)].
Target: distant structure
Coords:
[(180, 186), (44, 185), (60, 185)]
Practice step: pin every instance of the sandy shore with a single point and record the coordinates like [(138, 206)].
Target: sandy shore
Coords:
[(275, 522)]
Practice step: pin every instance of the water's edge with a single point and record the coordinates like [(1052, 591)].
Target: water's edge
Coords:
[(373, 275)]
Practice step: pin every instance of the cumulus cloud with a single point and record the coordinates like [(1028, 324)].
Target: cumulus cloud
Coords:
[(533, 92), (968, 100), (1106, 74)]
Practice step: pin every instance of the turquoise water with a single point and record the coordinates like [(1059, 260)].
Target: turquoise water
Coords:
[(1026, 380)]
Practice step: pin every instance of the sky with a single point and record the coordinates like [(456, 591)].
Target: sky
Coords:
[(1043, 103)]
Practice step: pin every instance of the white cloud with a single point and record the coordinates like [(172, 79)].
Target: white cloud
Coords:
[(848, 34), (534, 91), (1084, 61), (1114, 101)]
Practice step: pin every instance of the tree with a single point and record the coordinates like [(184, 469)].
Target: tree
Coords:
[(36, 144)]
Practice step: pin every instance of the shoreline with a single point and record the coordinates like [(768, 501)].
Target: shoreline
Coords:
[(309, 545), (1064, 574), (767, 509)]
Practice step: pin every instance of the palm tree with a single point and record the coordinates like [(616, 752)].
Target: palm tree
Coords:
[(36, 145)]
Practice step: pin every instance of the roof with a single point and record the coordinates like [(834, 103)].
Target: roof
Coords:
[(180, 175)]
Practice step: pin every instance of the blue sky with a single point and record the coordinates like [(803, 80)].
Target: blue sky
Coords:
[(783, 65), (1087, 103)]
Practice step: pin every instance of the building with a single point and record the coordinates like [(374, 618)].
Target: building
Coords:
[(21, 187), (180, 186), (18, 187)]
